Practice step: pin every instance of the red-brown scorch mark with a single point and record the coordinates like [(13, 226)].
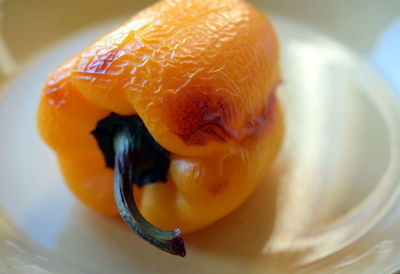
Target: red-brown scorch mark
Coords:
[(56, 93), (217, 187), (262, 122), (198, 117)]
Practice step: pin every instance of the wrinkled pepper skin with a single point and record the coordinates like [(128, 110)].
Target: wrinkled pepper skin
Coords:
[(202, 75)]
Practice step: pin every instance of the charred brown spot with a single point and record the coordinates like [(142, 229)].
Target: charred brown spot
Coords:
[(217, 188), (99, 64), (258, 125), (198, 117)]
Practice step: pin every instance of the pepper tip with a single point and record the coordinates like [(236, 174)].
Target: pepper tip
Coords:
[(178, 244)]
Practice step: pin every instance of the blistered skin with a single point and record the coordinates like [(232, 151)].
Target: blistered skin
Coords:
[(202, 76)]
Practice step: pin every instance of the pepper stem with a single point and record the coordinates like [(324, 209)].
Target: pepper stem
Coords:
[(169, 241)]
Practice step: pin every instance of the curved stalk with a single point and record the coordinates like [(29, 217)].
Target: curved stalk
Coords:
[(169, 241)]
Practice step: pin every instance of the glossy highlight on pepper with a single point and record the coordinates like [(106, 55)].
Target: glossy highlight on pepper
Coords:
[(202, 76)]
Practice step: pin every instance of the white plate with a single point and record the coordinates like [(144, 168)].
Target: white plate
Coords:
[(329, 203)]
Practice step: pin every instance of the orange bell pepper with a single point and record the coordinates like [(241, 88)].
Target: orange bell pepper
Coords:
[(183, 93)]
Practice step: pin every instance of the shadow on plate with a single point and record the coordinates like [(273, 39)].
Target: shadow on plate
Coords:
[(96, 241)]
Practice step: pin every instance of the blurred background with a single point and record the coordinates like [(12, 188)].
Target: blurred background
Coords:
[(336, 179)]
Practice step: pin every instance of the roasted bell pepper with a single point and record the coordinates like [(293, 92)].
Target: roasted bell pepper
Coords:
[(177, 106)]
